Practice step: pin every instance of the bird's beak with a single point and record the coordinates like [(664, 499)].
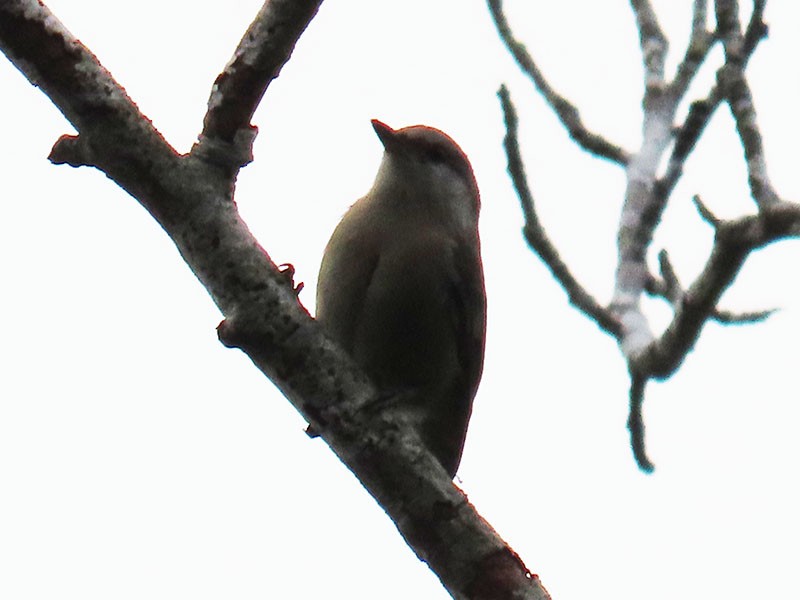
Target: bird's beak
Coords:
[(386, 134)]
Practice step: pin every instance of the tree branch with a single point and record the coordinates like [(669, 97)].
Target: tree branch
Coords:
[(647, 194), (569, 115), (653, 43), (701, 111), (535, 234), (265, 47), (736, 91), (733, 243), (636, 422), (192, 199), (671, 290), (700, 42), (734, 239)]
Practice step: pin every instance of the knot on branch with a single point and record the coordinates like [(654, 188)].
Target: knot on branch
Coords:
[(232, 156), (71, 150), (243, 332)]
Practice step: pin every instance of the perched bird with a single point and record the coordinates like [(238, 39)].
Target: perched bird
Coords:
[(401, 284)]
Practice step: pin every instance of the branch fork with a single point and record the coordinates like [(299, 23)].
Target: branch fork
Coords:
[(647, 355)]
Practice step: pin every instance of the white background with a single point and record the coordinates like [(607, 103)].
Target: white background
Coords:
[(141, 459)]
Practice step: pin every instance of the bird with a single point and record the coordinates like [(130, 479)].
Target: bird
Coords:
[(401, 285)]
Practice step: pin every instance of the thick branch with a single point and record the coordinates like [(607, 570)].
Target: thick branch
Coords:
[(535, 233), (645, 199), (192, 200), (569, 115)]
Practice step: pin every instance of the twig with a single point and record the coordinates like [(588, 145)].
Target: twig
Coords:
[(705, 212), (673, 284), (700, 42), (653, 43), (636, 423), (669, 288), (736, 90), (726, 317), (733, 243), (756, 30), (535, 234), (569, 115)]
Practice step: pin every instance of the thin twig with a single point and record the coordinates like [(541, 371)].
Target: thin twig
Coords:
[(636, 423), (570, 116), (535, 234), (673, 284), (727, 317), (700, 42), (670, 289), (705, 212)]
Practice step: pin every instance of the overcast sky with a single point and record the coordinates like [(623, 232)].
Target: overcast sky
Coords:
[(141, 459)]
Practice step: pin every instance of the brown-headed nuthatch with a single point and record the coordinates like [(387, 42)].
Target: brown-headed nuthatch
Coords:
[(401, 284)]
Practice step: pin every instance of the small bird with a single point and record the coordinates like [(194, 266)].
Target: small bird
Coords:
[(401, 284)]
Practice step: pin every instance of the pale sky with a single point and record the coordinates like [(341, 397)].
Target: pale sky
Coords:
[(141, 459)]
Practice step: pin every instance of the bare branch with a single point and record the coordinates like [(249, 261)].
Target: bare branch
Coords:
[(570, 116), (700, 42), (699, 23), (701, 111), (673, 284), (262, 52), (726, 317), (672, 291), (646, 196), (757, 30), (535, 233), (705, 212), (653, 43), (636, 423), (734, 87), (733, 243)]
